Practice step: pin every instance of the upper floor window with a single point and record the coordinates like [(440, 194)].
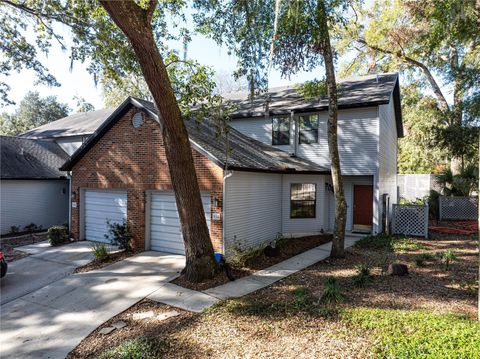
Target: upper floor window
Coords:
[(280, 131), (308, 129), (303, 198)]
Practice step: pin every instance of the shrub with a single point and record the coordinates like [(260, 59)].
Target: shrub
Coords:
[(302, 297), (448, 257), (420, 259), (331, 292), (119, 234), (381, 241), (363, 275), (14, 229), (140, 348), (32, 227), (57, 235), (100, 251)]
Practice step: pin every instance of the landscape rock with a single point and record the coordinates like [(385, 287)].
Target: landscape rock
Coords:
[(397, 269), (106, 330), (167, 315), (120, 324), (143, 315)]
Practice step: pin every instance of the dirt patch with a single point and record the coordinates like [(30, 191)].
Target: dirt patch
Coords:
[(276, 322), (97, 264), (286, 248), (9, 244)]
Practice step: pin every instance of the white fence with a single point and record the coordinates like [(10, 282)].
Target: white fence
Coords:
[(458, 208), (411, 220), (415, 186)]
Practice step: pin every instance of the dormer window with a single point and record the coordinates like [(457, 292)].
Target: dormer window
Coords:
[(280, 131), (308, 129)]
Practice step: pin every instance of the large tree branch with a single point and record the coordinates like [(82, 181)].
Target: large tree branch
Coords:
[(151, 9), (442, 102)]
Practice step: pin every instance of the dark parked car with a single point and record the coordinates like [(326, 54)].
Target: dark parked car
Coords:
[(3, 265)]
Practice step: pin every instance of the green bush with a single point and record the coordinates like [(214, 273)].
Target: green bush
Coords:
[(363, 275), (380, 241), (331, 291), (100, 251), (417, 334), (119, 234), (140, 348), (14, 229), (57, 235), (407, 244)]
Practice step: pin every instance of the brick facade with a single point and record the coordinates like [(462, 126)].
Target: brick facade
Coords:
[(134, 159)]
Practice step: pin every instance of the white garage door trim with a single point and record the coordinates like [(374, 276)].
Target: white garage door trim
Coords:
[(101, 206), (163, 231)]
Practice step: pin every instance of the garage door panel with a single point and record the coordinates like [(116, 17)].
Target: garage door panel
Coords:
[(100, 207), (165, 230)]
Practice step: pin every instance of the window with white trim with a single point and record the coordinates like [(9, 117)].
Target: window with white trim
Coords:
[(303, 200)]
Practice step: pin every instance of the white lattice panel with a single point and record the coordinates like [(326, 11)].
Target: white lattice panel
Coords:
[(459, 208), (410, 220)]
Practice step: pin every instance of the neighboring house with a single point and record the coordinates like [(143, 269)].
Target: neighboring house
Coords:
[(32, 188), (277, 180), (71, 131)]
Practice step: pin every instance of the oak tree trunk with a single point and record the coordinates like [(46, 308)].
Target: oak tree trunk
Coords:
[(338, 243), (135, 24)]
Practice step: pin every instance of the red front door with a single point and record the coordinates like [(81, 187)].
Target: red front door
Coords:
[(362, 205)]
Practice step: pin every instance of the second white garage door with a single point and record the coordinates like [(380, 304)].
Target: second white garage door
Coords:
[(103, 206), (165, 230)]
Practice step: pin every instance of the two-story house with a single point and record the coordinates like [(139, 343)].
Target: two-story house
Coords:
[(270, 177)]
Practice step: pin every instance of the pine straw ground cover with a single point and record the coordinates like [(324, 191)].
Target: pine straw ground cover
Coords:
[(429, 313), (9, 244)]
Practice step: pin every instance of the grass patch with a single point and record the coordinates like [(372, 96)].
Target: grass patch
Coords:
[(390, 243), (417, 334), (140, 348)]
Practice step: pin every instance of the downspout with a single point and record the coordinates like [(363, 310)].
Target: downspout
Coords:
[(228, 174), (295, 132), (69, 176)]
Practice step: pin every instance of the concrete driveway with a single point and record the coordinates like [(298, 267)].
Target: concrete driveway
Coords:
[(45, 265), (51, 321)]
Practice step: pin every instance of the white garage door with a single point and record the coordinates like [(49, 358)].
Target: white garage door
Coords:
[(165, 231), (100, 207)]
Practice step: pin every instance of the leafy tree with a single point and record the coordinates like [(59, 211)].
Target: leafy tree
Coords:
[(120, 38), (436, 41), (83, 105), (297, 37), (33, 111)]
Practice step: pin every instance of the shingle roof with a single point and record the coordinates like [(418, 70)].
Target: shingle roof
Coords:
[(353, 92), (244, 152), (23, 158), (361, 91), (82, 123)]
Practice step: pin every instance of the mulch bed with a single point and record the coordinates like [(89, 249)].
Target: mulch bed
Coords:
[(248, 327), (97, 264), (8, 244), (286, 249)]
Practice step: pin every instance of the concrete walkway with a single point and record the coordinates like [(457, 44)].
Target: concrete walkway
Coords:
[(45, 265), (194, 301), (50, 322)]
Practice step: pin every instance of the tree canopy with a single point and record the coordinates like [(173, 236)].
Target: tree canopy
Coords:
[(33, 111)]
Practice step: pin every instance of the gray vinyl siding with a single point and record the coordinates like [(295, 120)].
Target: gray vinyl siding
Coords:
[(260, 129), (252, 210), (357, 134), (303, 226), (43, 202), (387, 171)]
